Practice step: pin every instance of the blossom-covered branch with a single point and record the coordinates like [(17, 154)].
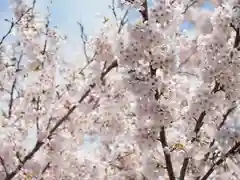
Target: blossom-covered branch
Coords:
[(146, 88), (14, 86), (14, 23), (231, 151)]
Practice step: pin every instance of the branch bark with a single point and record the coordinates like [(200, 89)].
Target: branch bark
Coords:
[(167, 155), (184, 168)]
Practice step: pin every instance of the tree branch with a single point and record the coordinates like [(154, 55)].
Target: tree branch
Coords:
[(123, 21), (10, 105), (237, 37), (29, 156), (4, 166), (167, 155), (232, 151), (46, 33), (47, 166), (198, 125), (229, 111), (189, 5), (11, 98), (84, 41), (184, 168)]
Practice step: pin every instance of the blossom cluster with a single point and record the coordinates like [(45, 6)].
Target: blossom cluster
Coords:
[(161, 105)]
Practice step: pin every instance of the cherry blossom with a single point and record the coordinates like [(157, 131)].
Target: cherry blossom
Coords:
[(156, 104)]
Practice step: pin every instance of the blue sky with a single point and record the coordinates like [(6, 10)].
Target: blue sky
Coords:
[(66, 13), (3, 5)]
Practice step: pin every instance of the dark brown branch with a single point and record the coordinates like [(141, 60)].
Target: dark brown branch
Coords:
[(10, 105), (144, 12), (237, 37), (63, 119), (108, 69), (230, 110), (153, 71), (198, 125), (18, 156), (29, 156), (184, 168), (13, 87), (167, 155), (232, 151), (47, 166)]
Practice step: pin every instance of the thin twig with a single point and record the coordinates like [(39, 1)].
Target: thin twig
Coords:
[(186, 60), (84, 41), (112, 7), (188, 6), (47, 166), (46, 33), (123, 21), (88, 63)]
